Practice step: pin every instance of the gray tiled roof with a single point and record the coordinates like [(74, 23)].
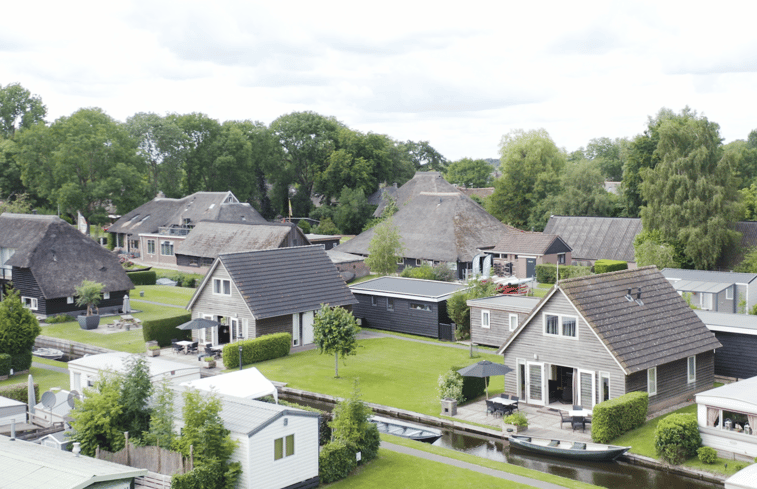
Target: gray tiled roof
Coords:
[(661, 330), (210, 238), (428, 289), (716, 321), (708, 276), (536, 243), (284, 281), (595, 238), (506, 302)]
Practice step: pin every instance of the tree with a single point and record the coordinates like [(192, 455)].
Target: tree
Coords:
[(744, 160), (18, 330), (649, 249), (609, 156), (161, 417), (423, 156), (96, 417), (335, 331), (457, 304), (583, 192), (136, 389), (19, 109), (353, 211), (532, 166), (351, 426), (384, 249), (469, 173), (690, 194), (88, 294)]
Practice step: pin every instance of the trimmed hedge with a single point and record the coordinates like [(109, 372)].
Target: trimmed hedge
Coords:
[(19, 392), (605, 266), (546, 272), (164, 330), (335, 462), (21, 361), (5, 364), (267, 347), (612, 418), (677, 438), (143, 278), (472, 386)]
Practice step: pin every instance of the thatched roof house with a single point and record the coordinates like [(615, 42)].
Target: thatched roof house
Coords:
[(46, 258), (437, 224)]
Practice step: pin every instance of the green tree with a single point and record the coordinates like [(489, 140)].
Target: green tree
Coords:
[(650, 249), (609, 156), (136, 389), (351, 426), (749, 262), (744, 160), (326, 226), (19, 109), (353, 211), (691, 194), (201, 148), (18, 330), (583, 192), (748, 197), (96, 417), (457, 304), (423, 156), (335, 331), (532, 167), (162, 417), (384, 249), (469, 173)]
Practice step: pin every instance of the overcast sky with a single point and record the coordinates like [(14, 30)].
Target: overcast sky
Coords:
[(458, 77)]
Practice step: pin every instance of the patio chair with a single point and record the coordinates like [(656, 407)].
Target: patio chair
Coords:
[(578, 422), (515, 406), (193, 347), (176, 348), (490, 408), (564, 418), (504, 396)]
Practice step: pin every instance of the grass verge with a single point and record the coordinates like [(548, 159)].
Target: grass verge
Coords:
[(44, 377), (164, 294)]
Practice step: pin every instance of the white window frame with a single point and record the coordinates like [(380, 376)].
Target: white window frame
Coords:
[(169, 248), (691, 369), (486, 318), (70, 299), (602, 376), (416, 306), (400, 260), (652, 381), (729, 293), (510, 322), (219, 286), (561, 258), (286, 442), (559, 325), (106, 296), (705, 305), (418, 262), (30, 303), (150, 246), (593, 388)]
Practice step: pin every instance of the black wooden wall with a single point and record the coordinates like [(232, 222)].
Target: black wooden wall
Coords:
[(738, 356), (403, 319)]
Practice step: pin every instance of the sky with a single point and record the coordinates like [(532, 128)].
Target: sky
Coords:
[(457, 77)]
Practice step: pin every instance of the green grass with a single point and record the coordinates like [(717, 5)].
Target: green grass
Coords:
[(45, 378), (363, 279), (483, 462), (164, 294), (392, 372), (642, 442)]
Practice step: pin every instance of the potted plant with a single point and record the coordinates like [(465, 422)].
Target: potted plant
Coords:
[(209, 362), (514, 423), (153, 351), (89, 294)]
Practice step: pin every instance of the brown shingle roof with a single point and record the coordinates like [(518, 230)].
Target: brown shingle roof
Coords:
[(596, 238), (536, 243)]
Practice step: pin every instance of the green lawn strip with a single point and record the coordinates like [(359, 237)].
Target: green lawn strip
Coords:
[(642, 442), (363, 279), (164, 294), (392, 372), (46, 361), (45, 378), (397, 470), (484, 462), (476, 348)]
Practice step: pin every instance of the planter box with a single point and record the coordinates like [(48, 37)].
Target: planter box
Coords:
[(515, 428), (153, 353), (89, 322), (211, 364), (449, 407)]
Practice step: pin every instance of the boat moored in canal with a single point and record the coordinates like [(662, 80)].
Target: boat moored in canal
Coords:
[(406, 430), (569, 449)]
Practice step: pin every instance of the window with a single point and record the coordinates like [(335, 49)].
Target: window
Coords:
[(106, 295), (283, 447), (30, 303), (166, 248), (691, 367), (485, 317), (150, 246), (569, 326), (557, 325), (418, 262), (389, 304), (652, 381), (551, 326), (400, 260), (561, 259), (420, 307), (604, 386), (513, 322), (221, 287), (374, 300), (69, 300), (729, 293), (705, 301)]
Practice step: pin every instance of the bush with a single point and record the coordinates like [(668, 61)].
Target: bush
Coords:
[(605, 266), (111, 241), (369, 444), (304, 226), (546, 272), (60, 318), (707, 455), (267, 347), (677, 438), (143, 278), (335, 462), (164, 330), (451, 386), (516, 419), (19, 392), (612, 418), (473, 387), (5, 364), (21, 361)]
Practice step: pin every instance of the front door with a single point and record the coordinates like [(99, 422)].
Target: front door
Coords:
[(296, 329), (306, 325), (530, 267), (535, 390)]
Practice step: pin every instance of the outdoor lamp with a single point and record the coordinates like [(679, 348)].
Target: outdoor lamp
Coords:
[(240, 356)]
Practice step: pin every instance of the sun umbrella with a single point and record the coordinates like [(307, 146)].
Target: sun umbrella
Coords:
[(485, 369), (198, 323), (32, 398)]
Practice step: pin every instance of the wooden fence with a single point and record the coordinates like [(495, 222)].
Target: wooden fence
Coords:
[(154, 459)]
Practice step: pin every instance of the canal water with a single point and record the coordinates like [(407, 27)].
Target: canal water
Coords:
[(615, 475)]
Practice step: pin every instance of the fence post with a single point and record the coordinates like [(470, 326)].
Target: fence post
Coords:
[(191, 457), (97, 452), (126, 446)]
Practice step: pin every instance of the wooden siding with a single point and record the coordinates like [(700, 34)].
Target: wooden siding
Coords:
[(278, 324), (24, 282), (498, 332), (586, 352), (208, 303), (402, 319), (738, 356)]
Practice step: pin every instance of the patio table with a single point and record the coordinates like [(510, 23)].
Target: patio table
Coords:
[(504, 402), (185, 344), (580, 412)]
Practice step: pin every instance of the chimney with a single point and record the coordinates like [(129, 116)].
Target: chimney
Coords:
[(395, 184), (629, 298), (638, 294), (13, 429)]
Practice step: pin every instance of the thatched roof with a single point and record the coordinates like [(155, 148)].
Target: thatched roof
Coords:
[(423, 181), (58, 255), (200, 206), (436, 222), (211, 238)]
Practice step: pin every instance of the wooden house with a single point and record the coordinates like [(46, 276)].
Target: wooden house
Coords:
[(254, 293), (406, 305), (715, 291), (46, 259), (598, 337), (738, 334), (494, 319), (518, 253), (597, 238)]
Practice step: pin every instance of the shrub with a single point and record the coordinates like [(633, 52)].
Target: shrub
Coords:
[(5, 364), (21, 361), (707, 455), (267, 347), (516, 419), (546, 272), (164, 330), (369, 444), (60, 318), (143, 278), (605, 266), (304, 225), (473, 387), (612, 418), (335, 462), (111, 241), (19, 392), (677, 438), (451, 386)]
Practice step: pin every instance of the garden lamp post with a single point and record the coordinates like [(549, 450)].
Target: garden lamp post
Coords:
[(240, 356)]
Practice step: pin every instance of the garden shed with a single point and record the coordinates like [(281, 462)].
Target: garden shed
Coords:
[(727, 417)]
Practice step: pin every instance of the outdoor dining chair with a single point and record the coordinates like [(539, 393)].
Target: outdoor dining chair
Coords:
[(490, 408), (504, 396), (515, 406), (564, 418), (176, 348), (578, 422)]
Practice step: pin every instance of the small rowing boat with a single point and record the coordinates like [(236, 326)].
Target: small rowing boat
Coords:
[(49, 353), (406, 430), (568, 449)]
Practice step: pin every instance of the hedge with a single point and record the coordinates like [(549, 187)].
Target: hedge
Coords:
[(546, 272), (143, 278), (472, 386), (21, 361), (612, 418), (335, 462), (677, 437), (605, 266), (19, 392), (164, 330), (267, 347), (5, 364)]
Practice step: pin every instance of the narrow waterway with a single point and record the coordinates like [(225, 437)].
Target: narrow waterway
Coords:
[(615, 475)]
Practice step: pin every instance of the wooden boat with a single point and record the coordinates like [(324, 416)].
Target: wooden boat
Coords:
[(49, 353), (406, 430), (568, 449)]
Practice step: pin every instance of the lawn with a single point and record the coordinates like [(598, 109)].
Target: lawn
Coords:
[(164, 294), (45, 378), (642, 441), (392, 372)]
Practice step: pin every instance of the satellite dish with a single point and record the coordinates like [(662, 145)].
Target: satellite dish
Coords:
[(71, 397), (48, 399)]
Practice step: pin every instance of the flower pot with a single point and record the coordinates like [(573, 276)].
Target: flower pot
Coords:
[(153, 353), (89, 322), (210, 364), (449, 407), (513, 428)]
